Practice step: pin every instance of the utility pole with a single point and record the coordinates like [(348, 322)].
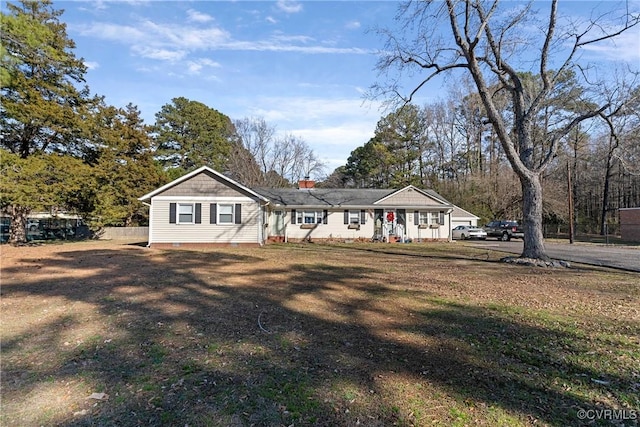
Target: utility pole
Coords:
[(570, 188)]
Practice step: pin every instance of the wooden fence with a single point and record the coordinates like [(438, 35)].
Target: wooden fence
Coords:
[(124, 233)]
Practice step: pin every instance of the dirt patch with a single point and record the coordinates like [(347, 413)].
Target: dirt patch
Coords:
[(307, 334)]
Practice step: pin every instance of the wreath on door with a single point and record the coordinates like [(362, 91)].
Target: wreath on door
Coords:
[(390, 216)]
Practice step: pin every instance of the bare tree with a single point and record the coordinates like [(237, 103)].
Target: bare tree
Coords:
[(247, 164), (505, 49), (265, 159), (623, 127)]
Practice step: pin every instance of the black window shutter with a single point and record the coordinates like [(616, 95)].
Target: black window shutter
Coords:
[(346, 217), (213, 213), (441, 219), (238, 213), (416, 218), (325, 216), (172, 213), (293, 216), (198, 213), (363, 216)]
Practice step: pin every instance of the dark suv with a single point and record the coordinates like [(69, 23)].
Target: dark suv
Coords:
[(504, 230)]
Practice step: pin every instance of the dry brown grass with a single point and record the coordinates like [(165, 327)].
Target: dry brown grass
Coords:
[(368, 334)]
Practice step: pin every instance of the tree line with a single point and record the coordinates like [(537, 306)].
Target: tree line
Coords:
[(450, 147), (64, 149), (526, 66), (505, 143)]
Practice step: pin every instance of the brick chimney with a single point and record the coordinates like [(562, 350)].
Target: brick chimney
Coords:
[(306, 183)]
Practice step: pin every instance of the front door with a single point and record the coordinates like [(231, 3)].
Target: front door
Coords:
[(390, 221)]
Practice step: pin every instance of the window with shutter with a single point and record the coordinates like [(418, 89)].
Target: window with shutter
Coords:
[(184, 213), (225, 214)]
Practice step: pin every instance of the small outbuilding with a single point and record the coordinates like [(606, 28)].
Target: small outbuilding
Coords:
[(630, 224)]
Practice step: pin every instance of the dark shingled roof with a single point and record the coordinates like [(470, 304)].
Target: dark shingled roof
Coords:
[(328, 197)]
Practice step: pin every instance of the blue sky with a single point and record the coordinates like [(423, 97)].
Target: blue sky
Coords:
[(302, 66)]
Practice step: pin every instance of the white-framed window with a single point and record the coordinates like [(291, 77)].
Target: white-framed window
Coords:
[(423, 218), (354, 217), (308, 217), (186, 213), (225, 214), (434, 218), (428, 218)]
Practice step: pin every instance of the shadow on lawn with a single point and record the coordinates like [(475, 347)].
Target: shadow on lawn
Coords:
[(192, 349)]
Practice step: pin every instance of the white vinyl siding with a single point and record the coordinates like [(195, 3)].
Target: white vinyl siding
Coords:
[(335, 228), (162, 231)]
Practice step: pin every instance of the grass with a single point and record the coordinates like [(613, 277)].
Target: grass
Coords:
[(358, 334)]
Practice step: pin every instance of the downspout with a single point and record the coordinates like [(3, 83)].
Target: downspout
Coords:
[(150, 221), (263, 233), (449, 239)]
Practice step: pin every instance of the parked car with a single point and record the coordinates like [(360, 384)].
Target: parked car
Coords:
[(463, 232), (33, 225), (504, 230)]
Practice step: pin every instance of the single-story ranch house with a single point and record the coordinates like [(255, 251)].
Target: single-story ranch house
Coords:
[(205, 207)]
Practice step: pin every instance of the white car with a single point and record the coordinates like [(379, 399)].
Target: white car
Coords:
[(463, 232)]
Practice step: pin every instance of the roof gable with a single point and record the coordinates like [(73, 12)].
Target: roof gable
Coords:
[(458, 212), (413, 196), (213, 175)]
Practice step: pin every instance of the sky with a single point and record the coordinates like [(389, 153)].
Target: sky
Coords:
[(302, 66)]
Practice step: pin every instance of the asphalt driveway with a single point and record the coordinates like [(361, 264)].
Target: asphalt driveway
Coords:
[(614, 256)]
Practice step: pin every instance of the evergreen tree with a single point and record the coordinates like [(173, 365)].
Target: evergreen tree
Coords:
[(42, 111), (42, 182), (188, 134), (124, 167), (41, 103)]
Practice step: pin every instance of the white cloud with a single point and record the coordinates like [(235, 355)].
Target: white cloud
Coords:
[(289, 6), (172, 42), (160, 42), (159, 54), (625, 47), (331, 127), (91, 65), (352, 25), (195, 16), (285, 38), (196, 66), (271, 20)]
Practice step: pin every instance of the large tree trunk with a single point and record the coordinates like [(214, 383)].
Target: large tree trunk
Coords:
[(532, 221), (18, 227)]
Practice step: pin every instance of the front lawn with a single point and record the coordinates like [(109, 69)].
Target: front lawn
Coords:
[(102, 333)]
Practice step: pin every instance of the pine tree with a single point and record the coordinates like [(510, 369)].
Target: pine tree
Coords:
[(42, 105)]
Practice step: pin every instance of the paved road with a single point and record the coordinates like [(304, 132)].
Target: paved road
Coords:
[(620, 257)]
